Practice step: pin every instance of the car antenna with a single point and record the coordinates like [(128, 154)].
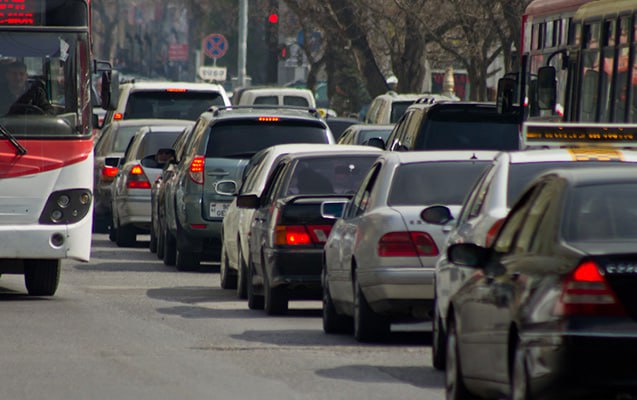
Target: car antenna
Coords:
[(474, 157)]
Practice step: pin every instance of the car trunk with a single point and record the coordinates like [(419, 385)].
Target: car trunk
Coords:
[(214, 205)]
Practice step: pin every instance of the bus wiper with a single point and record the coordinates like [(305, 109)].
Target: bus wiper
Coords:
[(20, 150)]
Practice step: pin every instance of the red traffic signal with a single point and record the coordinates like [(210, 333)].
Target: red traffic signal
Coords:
[(284, 52), (273, 18)]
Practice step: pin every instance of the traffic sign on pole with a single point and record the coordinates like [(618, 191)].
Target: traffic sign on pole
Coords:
[(214, 45)]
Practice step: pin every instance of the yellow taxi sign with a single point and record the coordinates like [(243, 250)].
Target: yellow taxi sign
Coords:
[(570, 134)]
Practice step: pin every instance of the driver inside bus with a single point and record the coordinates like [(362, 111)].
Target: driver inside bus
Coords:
[(20, 97)]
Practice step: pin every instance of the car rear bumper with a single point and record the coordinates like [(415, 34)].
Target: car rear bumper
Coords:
[(134, 210), (571, 366), (297, 269)]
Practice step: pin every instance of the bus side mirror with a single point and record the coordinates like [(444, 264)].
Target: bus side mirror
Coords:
[(547, 89), (506, 95), (109, 92)]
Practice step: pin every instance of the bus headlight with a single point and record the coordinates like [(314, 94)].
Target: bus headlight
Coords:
[(66, 207)]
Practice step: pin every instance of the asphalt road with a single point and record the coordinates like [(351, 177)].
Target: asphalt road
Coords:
[(124, 326)]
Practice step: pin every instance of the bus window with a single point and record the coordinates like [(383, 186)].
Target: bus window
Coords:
[(621, 80), (607, 70)]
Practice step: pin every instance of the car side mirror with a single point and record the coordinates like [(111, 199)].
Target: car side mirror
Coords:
[(436, 215), (226, 188), (375, 142), (467, 255), (333, 209), (248, 201)]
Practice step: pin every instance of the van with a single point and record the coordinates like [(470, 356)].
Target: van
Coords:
[(294, 97), (389, 107)]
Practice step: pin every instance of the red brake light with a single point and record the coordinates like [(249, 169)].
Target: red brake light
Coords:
[(493, 232), (407, 244), (291, 235), (269, 119), (109, 173), (118, 116), (197, 167), (137, 179), (176, 90), (586, 292)]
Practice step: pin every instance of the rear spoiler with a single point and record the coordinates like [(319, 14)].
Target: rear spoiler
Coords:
[(552, 135)]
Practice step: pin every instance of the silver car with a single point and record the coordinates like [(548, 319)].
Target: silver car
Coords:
[(380, 256), (148, 152), (488, 204)]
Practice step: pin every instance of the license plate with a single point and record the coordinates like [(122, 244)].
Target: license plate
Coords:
[(218, 210)]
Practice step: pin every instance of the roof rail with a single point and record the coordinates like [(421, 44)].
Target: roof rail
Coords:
[(426, 100), (215, 110)]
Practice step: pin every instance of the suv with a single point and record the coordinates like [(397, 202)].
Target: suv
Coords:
[(431, 124), (165, 100), (208, 174), (389, 107)]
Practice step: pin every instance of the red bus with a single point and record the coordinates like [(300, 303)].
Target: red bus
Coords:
[(46, 143)]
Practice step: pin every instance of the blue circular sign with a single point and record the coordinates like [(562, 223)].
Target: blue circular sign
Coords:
[(215, 45)]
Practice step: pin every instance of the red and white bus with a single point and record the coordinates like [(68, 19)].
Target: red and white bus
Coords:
[(547, 30), (46, 158)]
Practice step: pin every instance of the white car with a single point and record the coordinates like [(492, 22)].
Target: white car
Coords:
[(380, 256), (237, 221), (487, 206)]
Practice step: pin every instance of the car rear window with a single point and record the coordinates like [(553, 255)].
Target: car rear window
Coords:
[(339, 174), (295, 101), (398, 108), (170, 105), (123, 136), (434, 182), (242, 139), (267, 100), (452, 135), (154, 141), (520, 175)]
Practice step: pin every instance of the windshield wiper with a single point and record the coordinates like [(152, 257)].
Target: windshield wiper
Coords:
[(20, 150)]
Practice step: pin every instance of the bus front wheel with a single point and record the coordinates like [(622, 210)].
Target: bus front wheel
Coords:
[(41, 277)]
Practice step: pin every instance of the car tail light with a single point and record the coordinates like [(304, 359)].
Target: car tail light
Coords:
[(493, 232), (586, 292), (176, 90), (407, 244), (291, 235), (118, 116), (319, 233), (197, 167), (268, 119), (137, 179), (109, 173)]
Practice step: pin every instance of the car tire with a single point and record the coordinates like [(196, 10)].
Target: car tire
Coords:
[(227, 279), (242, 275), (152, 245), (255, 301), (275, 298), (455, 388), (100, 224), (170, 248), (438, 342), (333, 322), (187, 260), (519, 377), (160, 245), (126, 236), (368, 326), (41, 277)]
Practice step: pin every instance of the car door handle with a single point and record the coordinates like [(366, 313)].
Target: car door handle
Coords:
[(218, 172)]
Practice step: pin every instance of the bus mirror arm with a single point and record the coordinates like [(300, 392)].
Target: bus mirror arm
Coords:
[(565, 58)]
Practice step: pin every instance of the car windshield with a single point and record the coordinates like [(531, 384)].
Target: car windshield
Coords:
[(434, 182), (365, 135), (603, 212), (155, 140), (243, 139), (168, 104), (339, 174), (41, 78), (398, 108), (521, 174)]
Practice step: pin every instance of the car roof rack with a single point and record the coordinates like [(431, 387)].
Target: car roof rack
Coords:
[(215, 110)]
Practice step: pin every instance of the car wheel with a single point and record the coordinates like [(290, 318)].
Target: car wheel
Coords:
[(438, 343), (187, 260), (520, 389), (160, 244), (255, 301), (41, 277), (242, 274), (333, 322), (368, 326), (227, 279), (170, 248), (100, 224), (275, 298), (152, 245), (454, 383), (126, 236)]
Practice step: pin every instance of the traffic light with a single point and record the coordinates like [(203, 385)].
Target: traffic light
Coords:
[(272, 42), (284, 52)]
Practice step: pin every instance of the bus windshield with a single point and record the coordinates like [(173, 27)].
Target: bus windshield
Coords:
[(40, 78)]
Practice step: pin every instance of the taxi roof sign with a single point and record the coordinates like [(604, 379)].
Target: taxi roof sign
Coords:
[(547, 134)]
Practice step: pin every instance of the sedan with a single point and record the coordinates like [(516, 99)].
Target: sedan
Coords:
[(550, 310), (380, 257)]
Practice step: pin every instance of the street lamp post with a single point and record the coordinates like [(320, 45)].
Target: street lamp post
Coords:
[(243, 42)]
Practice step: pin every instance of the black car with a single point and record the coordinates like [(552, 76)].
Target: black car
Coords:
[(288, 232), (551, 310)]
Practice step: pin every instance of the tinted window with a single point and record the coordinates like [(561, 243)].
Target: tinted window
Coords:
[(295, 101), (243, 139), (520, 175), (338, 126), (268, 100), (432, 183), (368, 134), (450, 135), (330, 175), (124, 135), (602, 212), (170, 105), (154, 141), (398, 108)]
